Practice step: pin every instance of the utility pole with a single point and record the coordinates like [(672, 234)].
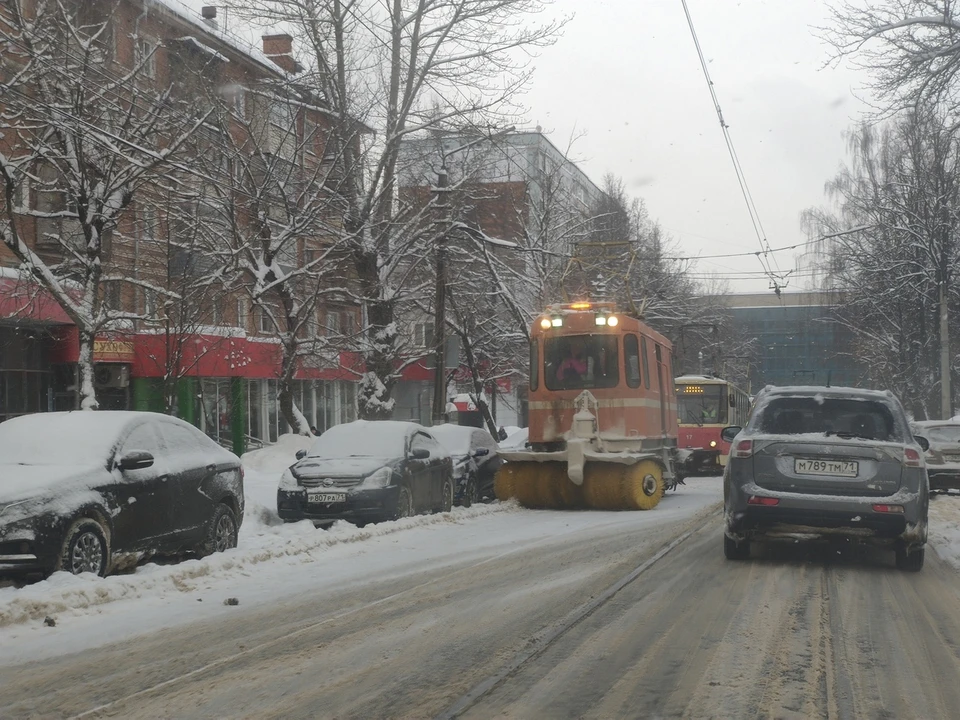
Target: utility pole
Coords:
[(946, 410), (440, 303)]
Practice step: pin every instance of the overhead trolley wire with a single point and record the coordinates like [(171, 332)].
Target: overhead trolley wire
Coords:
[(777, 277)]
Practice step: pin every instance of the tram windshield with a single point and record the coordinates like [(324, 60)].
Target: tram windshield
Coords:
[(580, 361), (702, 404)]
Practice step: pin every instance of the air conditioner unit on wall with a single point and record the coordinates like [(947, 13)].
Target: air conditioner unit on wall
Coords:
[(111, 375)]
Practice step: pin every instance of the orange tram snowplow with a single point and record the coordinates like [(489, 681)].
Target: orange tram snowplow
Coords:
[(603, 414)]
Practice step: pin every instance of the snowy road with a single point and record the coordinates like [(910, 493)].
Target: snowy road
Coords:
[(410, 624)]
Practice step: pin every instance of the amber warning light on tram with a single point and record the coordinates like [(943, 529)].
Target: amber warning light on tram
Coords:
[(689, 389)]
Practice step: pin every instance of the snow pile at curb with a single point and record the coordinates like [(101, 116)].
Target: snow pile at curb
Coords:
[(294, 544), (277, 457), (945, 528)]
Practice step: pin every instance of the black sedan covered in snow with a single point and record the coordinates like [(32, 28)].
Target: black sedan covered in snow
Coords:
[(89, 491), (475, 461), (367, 471)]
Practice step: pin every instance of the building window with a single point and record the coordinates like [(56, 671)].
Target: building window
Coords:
[(310, 134), (313, 325), (423, 335), (111, 295), (242, 313), (21, 195), (146, 56), (240, 102), (216, 309), (348, 325), (149, 303), (265, 324), (148, 223), (333, 322)]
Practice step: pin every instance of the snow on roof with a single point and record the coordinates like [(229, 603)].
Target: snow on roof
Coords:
[(190, 40), (823, 390), (78, 438), (188, 15), (365, 438)]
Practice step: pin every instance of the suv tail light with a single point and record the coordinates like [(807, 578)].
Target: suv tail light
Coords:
[(768, 501), (744, 449), (888, 508), (911, 458)]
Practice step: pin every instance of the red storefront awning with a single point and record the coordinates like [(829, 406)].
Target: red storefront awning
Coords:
[(24, 300)]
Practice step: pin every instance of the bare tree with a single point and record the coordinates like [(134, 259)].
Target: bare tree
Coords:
[(892, 250), (273, 223), (81, 137), (401, 67), (908, 47)]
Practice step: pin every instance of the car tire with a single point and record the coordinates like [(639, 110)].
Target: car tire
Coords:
[(733, 550), (221, 532), (404, 503), (446, 495), (85, 549), (909, 562), (470, 492)]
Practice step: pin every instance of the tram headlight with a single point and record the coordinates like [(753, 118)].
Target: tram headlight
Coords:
[(545, 323), (557, 322), (612, 321), (713, 443), (601, 320)]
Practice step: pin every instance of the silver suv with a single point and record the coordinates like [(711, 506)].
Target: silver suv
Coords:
[(816, 462)]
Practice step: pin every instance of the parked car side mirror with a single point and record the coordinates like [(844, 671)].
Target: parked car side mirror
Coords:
[(301, 454), (135, 460), (480, 452), (729, 433), (922, 442), (420, 454)]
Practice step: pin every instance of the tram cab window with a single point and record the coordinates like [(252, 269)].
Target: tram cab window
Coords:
[(580, 361), (631, 359), (702, 404)]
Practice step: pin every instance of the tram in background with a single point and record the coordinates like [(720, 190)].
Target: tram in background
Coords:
[(706, 405)]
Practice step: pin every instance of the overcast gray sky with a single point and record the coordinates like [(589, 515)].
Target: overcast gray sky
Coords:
[(625, 74)]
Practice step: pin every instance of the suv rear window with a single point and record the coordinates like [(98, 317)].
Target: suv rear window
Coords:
[(849, 417)]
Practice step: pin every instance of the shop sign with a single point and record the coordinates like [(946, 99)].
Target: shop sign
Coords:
[(118, 351)]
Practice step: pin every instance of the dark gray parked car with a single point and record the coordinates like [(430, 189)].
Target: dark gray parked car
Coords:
[(367, 471), (475, 461), (816, 462), (91, 491)]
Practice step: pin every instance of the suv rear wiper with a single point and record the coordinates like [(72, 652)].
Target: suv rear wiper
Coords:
[(848, 435)]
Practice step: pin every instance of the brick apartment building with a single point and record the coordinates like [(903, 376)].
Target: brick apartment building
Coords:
[(517, 187), (227, 356)]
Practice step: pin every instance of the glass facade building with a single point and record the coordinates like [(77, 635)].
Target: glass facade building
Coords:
[(794, 339)]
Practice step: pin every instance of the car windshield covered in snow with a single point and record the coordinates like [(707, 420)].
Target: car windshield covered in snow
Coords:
[(581, 361), (841, 416), (455, 438), (80, 439), (363, 438), (941, 433)]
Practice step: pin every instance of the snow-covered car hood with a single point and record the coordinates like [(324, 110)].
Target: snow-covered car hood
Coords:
[(315, 467), (26, 482)]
